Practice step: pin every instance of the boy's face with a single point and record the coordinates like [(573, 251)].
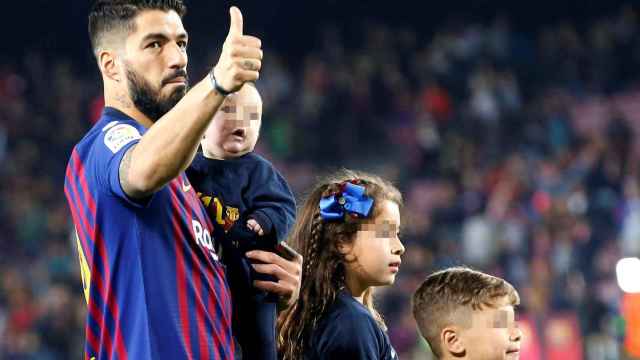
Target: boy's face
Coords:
[(234, 129), (493, 334)]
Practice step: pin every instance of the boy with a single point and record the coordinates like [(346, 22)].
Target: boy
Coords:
[(251, 206), (467, 314)]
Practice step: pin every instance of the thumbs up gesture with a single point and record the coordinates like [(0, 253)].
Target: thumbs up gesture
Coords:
[(241, 57)]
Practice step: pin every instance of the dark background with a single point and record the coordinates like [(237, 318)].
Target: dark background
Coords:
[(291, 26)]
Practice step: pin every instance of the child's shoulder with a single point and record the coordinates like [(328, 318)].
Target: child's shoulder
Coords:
[(261, 167), (199, 161), (258, 159), (350, 327), (350, 314)]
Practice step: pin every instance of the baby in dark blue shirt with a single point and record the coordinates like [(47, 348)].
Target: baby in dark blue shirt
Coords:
[(251, 206)]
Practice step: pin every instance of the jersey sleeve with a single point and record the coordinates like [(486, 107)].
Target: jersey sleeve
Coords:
[(271, 201), (109, 148), (350, 337)]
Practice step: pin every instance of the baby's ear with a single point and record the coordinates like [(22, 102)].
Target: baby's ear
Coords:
[(452, 342)]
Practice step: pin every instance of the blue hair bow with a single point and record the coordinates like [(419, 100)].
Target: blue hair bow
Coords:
[(351, 199)]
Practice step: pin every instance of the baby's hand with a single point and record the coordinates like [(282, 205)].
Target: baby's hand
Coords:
[(255, 227)]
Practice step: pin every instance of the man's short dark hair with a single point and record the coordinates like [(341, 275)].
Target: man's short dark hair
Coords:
[(107, 16)]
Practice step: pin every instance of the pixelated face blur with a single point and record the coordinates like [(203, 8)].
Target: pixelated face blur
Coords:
[(377, 249), (493, 334), (235, 127), (156, 62)]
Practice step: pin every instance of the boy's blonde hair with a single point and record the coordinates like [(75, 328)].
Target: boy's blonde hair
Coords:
[(448, 296)]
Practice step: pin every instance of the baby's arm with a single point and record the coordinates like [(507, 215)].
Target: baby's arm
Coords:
[(269, 201)]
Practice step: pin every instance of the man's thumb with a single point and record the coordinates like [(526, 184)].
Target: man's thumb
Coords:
[(235, 27)]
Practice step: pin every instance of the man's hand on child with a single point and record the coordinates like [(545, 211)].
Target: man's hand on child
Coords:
[(287, 272), (253, 225)]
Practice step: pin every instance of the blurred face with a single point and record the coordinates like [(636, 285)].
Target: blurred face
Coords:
[(155, 62), (377, 249), (235, 127), (493, 334)]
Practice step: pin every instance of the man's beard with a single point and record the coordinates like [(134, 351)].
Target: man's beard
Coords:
[(148, 100)]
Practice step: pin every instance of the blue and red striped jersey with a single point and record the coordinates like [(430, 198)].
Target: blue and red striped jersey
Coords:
[(153, 283)]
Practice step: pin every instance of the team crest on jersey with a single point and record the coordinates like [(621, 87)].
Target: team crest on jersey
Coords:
[(120, 135), (223, 215), (233, 213)]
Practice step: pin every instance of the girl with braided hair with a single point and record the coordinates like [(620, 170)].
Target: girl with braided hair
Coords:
[(347, 231)]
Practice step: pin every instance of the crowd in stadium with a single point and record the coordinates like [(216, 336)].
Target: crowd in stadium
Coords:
[(516, 153)]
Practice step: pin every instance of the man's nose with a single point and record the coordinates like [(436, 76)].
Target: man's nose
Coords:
[(177, 56)]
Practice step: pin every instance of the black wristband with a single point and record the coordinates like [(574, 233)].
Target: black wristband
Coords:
[(217, 86)]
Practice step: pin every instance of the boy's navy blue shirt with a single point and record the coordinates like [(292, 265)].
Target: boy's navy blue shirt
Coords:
[(234, 191), (349, 331)]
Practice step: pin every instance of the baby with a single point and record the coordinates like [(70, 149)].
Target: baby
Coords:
[(251, 207)]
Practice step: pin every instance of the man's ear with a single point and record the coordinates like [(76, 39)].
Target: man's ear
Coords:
[(452, 342), (109, 65)]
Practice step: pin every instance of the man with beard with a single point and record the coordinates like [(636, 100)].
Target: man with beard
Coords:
[(152, 280)]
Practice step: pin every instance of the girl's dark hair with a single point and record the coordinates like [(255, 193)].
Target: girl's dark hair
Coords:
[(118, 15), (323, 272)]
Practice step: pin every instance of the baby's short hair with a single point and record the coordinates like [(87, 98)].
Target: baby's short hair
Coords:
[(448, 296)]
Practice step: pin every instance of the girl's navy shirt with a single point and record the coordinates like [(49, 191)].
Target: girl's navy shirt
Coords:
[(349, 331)]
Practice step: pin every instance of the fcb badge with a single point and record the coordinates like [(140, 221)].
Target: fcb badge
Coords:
[(232, 213)]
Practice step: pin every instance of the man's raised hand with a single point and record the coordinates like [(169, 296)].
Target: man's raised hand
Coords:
[(241, 57)]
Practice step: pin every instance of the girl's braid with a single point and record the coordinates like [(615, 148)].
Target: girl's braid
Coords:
[(317, 229)]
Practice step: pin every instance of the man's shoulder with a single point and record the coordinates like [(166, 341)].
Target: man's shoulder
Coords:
[(107, 139), (115, 132)]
